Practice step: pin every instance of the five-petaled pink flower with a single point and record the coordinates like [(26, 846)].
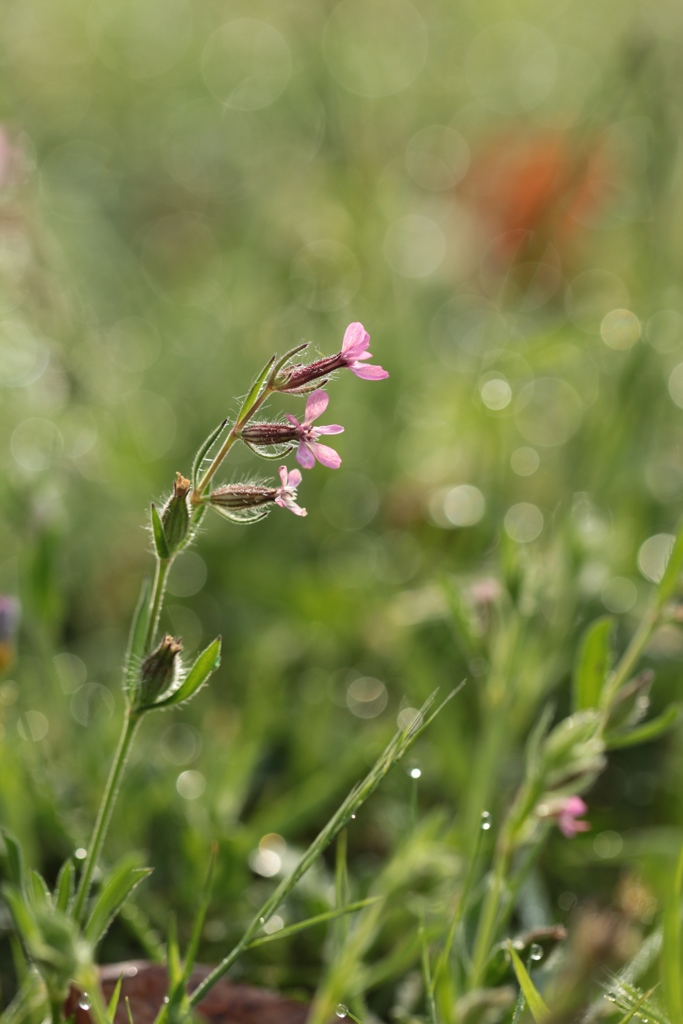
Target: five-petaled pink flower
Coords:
[(567, 813), (286, 493), (309, 448), (354, 352)]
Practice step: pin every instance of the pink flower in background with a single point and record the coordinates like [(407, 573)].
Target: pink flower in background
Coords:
[(567, 813), (354, 352), (309, 448), (286, 493)]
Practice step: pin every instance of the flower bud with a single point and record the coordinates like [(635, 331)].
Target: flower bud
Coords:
[(240, 496), (158, 671), (298, 379), (175, 516), (269, 433)]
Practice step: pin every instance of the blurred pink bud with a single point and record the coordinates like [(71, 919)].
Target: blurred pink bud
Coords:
[(286, 493)]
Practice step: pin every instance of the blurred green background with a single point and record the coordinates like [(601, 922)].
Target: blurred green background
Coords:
[(186, 187)]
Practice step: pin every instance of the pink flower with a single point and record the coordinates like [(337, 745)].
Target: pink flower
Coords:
[(567, 813), (309, 449), (354, 352), (286, 493)]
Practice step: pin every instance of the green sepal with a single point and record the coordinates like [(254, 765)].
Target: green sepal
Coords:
[(65, 887), (668, 584), (204, 449), (273, 451), (160, 543), (136, 643), (115, 890), (593, 663), (535, 1001), (206, 663), (256, 389), (285, 359), (649, 731), (243, 516)]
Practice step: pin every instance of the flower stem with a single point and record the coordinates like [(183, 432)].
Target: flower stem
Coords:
[(631, 655), (230, 440), (159, 586), (131, 723)]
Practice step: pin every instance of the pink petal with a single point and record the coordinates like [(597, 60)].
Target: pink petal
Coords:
[(294, 478), (316, 405), (297, 509), (325, 456), (368, 372), (304, 456), (293, 420), (356, 341), (333, 428), (574, 806), (282, 472)]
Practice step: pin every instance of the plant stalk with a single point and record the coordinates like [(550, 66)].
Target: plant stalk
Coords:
[(130, 726), (158, 589)]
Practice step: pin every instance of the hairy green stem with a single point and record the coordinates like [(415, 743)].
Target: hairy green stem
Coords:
[(105, 811), (631, 656), (230, 440), (157, 599)]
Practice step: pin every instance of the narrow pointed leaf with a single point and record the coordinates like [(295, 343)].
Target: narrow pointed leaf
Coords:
[(129, 1012), (114, 1001), (593, 664), (14, 856), (115, 891), (535, 1002), (671, 946), (669, 582), (310, 922), (256, 389), (641, 1002), (160, 542), (649, 731), (65, 886), (204, 449), (206, 663), (39, 892)]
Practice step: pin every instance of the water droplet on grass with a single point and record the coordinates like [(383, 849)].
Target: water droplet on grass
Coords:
[(485, 821), (84, 1001), (536, 952), (342, 1010)]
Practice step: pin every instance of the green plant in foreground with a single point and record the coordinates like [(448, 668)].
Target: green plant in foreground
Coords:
[(61, 929)]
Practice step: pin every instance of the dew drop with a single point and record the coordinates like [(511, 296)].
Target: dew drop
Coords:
[(536, 952), (415, 773), (262, 920), (342, 1010), (166, 999), (84, 1001), (485, 821), (353, 817)]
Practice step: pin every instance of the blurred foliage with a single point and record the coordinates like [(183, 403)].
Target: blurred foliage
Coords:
[(187, 187)]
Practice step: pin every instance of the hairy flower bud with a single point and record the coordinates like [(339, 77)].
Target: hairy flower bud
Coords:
[(269, 433), (175, 515), (158, 671), (239, 496)]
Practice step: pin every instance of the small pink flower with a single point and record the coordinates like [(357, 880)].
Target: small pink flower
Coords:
[(355, 350), (309, 449), (286, 494), (567, 813)]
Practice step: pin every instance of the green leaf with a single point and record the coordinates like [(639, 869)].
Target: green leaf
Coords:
[(136, 641), (669, 582), (671, 945), (593, 664), (65, 886), (649, 731), (204, 449), (641, 1002), (114, 1001), (256, 389), (535, 1002), (160, 542), (14, 855), (115, 891), (206, 663), (39, 893), (310, 922)]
